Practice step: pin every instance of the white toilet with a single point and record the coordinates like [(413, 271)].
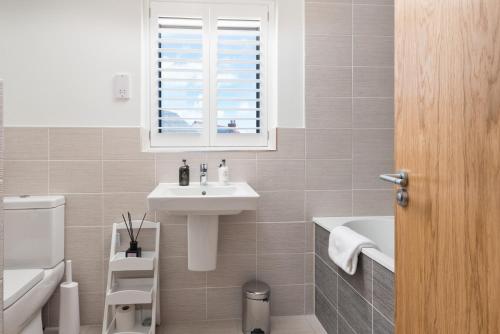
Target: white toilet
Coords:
[(33, 259)]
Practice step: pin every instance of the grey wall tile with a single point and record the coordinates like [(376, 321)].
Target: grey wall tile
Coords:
[(75, 176), (373, 113), (232, 155), (328, 19), (373, 203), (328, 1), (325, 203), (326, 281), (280, 174), (83, 210), (373, 20), (329, 50), (374, 2), (309, 268), (280, 269), (328, 174), (247, 216), (325, 81), (237, 238), (175, 274), (375, 144), (310, 237), (26, 177), (366, 173), (290, 145), (373, 51), (328, 112), (89, 313), (276, 206), (87, 264), (329, 144), (26, 143), (116, 204), (355, 310), (326, 313), (224, 303), (75, 143), (344, 327), (383, 291), (232, 271), (128, 176), (309, 299), (183, 305), (361, 281), (173, 240), (281, 238), (287, 300), (381, 325), (321, 246), (123, 144), (373, 82)]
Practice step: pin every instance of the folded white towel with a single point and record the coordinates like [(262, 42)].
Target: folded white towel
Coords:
[(345, 246)]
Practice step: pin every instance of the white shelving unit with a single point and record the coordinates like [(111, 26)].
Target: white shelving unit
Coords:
[(127, 290)]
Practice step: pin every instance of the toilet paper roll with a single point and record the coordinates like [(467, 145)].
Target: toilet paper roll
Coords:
[(125, 317), (69, 310)]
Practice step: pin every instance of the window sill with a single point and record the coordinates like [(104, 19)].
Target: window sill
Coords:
[(205, 149)]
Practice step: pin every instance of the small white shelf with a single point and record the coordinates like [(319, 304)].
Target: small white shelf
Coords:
[(133, 281), (131, 291), (120, 262)]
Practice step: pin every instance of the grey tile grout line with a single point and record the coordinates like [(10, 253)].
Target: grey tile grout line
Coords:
[(350, 285), (352, 110), (372, 295)]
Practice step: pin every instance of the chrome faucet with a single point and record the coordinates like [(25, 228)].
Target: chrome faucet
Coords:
[(203, 174)]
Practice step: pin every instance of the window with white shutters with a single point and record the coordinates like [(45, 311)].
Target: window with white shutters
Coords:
[(210, 77)]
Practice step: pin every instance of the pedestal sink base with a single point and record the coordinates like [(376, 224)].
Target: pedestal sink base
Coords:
[(203, 232)]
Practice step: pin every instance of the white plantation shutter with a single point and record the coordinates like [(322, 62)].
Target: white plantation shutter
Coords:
[(209, 72)]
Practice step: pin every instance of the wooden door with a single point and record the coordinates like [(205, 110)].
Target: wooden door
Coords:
[(448, 139)]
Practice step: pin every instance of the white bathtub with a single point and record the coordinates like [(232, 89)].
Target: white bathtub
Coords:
[(380, 229)]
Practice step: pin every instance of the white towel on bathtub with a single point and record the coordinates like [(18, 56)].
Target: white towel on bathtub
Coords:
[(345, 246)]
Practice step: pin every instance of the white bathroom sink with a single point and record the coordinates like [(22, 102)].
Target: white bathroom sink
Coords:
[(196, 199), (203, 204)]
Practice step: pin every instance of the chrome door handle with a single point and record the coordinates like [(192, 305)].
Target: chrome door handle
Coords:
[(400, 178)]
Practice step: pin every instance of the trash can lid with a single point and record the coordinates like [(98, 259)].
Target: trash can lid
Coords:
[(256, 290)]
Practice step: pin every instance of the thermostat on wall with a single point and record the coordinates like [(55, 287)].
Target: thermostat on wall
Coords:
[(121, 86)]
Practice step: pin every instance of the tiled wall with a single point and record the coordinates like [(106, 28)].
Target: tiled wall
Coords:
[(349, 105), (1, 206), (358, 304), (329, 168), (102, 173)]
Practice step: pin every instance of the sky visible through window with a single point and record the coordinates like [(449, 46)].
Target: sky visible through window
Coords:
[(181, 76)]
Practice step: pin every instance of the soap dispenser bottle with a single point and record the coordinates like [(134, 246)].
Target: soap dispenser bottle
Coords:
[(223, 173), (184, 174)]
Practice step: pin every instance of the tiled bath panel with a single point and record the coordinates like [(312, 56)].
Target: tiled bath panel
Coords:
[(358, 304)]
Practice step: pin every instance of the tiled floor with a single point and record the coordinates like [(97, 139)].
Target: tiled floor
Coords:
[(279, 325)]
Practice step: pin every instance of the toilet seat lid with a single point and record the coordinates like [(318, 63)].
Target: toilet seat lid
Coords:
[(17, 282)]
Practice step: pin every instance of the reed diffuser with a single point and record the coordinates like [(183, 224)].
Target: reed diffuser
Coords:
[(134, 250)]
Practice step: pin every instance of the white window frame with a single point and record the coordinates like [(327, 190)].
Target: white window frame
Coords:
[(210, 140)]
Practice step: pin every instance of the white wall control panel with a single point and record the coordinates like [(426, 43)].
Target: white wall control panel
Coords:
[(121, 86)]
